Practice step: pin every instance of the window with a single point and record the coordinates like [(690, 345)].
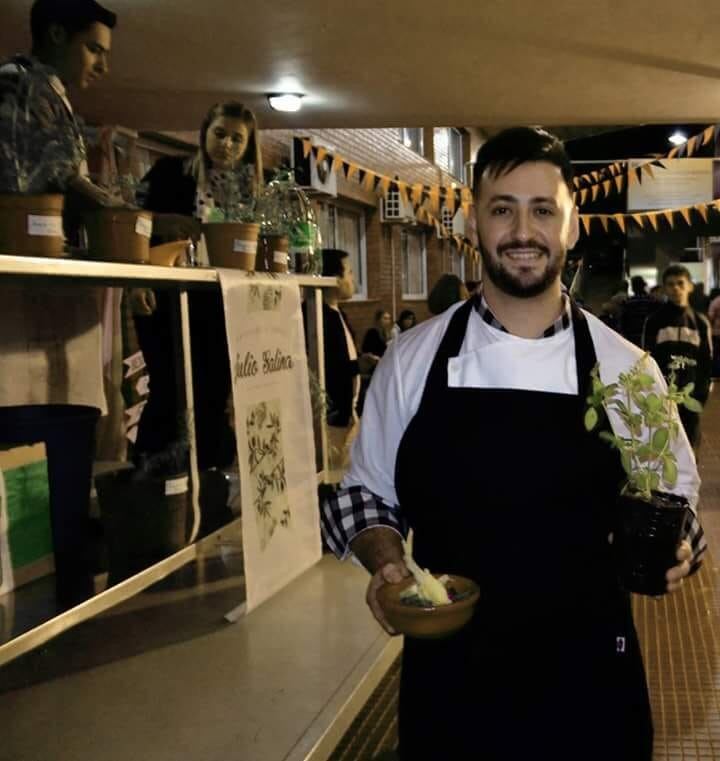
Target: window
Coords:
[(414, 265), (412, 137), (345, 229), (448, 145)]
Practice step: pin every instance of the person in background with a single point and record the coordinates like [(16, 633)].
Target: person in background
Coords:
[(676, 329), (182, 191), (374, 344), (636, 310), (343, 364), (448, 290), (51, 382), (714, 316), (405, 321), (471, 286), (657, 293), (550, 666)]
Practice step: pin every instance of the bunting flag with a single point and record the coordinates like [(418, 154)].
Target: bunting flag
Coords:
[(703, 209), (450, 203), (669, 216), (417, 193), (307, 147), (685, 211), (583, 196), (586, 220), (337, 164), (320, 154), (620, 221), (619, 182), (652, 218), (369, 183), (385, 183), (466, 209), (352, 170), (403, 190), (708, 135), (691, 143), (607, 186), (647, 168), (594, 191), (604, 221), (434, 198), (674, 152), (639, 220)]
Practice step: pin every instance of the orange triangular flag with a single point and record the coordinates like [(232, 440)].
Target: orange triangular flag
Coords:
[(620, 221), (583, 196), (576, 182), (703, 211), (595, 190), (619, 181), (708, 135), (307, 147), (604, 221), (607, 186), (336, 164), (652, 218), (674, 152), (595, 176), (369, 181), (320, 155), (691, 143), (586, 219), (668, 214), (631, 177), (403, 190), (639, 219), (466, 209), (417, 193), (466, 195), (434, 197), (647, 168), (385, 185), (352, 169), (685, 211)]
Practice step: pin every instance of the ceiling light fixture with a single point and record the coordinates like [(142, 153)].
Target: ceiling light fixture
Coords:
[(678, 138), (285, 101)]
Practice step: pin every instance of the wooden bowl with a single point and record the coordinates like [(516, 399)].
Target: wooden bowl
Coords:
[(169, 254), (428, 623)]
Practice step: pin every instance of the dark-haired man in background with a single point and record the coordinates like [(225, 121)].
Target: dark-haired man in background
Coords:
[(51, 382), (522, 502), (677, 330)]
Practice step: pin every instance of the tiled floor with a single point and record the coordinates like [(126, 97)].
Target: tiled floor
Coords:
[(680, 636)]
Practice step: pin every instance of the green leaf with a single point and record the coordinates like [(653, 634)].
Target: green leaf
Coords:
[(609, 438), (626, 461), (654, 403), (692, 404), (670, 472), (645, 453), (654, 481), (645, 381), (689, 388), (591, 419), (660, 439)]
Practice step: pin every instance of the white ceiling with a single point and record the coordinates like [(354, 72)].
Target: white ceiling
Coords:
[(366, 63)]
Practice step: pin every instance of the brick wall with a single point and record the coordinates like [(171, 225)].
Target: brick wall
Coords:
[(381, 151)]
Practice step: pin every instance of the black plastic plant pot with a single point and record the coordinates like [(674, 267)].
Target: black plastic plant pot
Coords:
[(647, 539), (145, 519)]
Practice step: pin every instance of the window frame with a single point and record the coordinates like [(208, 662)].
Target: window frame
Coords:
[(405, 235), (360, 267)]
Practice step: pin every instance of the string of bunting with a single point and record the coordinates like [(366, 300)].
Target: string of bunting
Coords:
[(614, 177), (425, 199), (650, 219)]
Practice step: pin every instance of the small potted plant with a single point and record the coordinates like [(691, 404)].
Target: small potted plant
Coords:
[(275, 222), (651, 520), (231, 232), (39, 152)]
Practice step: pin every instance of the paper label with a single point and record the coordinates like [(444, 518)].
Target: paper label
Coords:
[(176, 486), (45, 227), (280, 257), (134, 363), (143, 227), (244, 246)]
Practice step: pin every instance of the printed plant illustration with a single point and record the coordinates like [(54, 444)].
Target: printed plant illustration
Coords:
[(267, 469), (265, 298)]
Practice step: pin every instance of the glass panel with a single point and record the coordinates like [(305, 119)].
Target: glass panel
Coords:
[(348, 234), (413, 265)]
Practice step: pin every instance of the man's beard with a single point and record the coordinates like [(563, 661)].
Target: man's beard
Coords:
[(513, 285)]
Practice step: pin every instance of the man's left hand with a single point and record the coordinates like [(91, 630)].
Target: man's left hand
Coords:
[(677, 573)]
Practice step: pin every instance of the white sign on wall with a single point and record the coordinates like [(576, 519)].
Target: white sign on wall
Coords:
[(683, 182)]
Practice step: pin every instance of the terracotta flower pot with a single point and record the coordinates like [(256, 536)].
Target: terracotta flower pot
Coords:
[(647, 538), (119, 235), (32, 225), (232, 244)]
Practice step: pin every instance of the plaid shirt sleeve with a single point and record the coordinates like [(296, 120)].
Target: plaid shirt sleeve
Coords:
[(698, 542), (351, 510)]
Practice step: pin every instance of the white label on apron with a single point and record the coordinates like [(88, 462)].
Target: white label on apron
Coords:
[(45, 227), (244, 246), (176, 486), (280, 257), (143, 227)]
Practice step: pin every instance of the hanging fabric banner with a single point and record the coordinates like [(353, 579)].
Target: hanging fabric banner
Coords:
[(337, 163), (320, 154), (639, 219), (274, 430), (385, 185), (619, 182)]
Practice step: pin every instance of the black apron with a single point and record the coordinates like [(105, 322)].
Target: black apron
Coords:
[(506, 487)]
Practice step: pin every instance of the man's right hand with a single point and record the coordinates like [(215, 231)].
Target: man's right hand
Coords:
[(390, 573)]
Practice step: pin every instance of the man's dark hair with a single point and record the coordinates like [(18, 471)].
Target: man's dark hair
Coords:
[(332, 261), (520, 145), (638, 285), (72, 15), (677, 270)]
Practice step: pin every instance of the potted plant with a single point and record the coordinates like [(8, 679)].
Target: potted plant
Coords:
[(39, 151), (145, 510), (275, 223), (651, 519), (231, 232)]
